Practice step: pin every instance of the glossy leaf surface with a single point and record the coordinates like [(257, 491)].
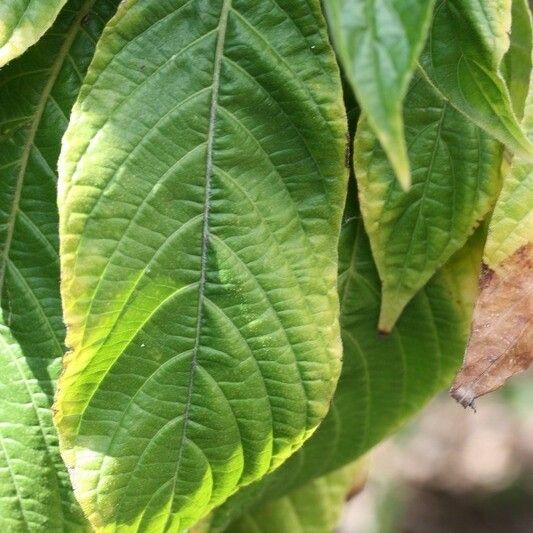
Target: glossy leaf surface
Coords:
[(384, 380), (37, 92), (22, 23), (199, 219), (378, 43), (462, 58), (456, 180)]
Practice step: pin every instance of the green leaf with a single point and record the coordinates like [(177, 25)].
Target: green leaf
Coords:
[(199, 218), (517, 62), (37, 92), (456, 180), (384, 380), (491, 25), (378, 43), (35, 489), (463, 59), (22, 24), (511, 225), (316, 507)]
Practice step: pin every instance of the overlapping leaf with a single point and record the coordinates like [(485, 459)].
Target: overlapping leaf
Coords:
[(456, 180), (378, 43), (37, 92), (466, 44), (384, 379), (22, 23), (314, 508), (35, 493), (501, 343), (491, 24), (199, 218)]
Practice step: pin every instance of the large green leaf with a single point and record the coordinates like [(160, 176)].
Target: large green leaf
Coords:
[(37, 92), (456, 180), (199, 218), (378, 43), (22, 23), (316, 507), (466, 45), (384, 380)]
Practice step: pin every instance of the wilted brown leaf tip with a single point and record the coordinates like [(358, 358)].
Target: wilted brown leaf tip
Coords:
[(501, 340)]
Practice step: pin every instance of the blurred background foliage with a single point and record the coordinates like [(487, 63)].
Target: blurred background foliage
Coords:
[(453, 470)]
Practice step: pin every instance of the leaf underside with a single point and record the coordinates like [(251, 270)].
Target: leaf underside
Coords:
[(378, 44), (518, 61), (37, 92), (466, 70), (456, 180), (490, 22), (198, 245)]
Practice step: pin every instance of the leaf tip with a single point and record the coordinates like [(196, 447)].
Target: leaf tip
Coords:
[(392, 305), (396, 150), (463, 395), (403, 173)]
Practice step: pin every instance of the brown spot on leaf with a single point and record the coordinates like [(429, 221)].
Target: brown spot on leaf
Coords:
[(501, 339)]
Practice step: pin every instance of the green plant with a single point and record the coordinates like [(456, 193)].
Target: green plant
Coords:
[(213, 251)]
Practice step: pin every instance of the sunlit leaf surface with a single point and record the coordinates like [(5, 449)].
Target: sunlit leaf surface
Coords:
[(200, 215)]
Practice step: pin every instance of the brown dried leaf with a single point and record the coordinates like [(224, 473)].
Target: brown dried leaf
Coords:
[(501, 340)]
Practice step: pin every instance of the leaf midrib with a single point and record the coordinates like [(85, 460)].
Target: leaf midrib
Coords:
[(219, 51)]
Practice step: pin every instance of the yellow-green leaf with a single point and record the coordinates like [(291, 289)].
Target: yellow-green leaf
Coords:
[(22, 23)]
